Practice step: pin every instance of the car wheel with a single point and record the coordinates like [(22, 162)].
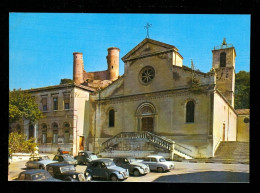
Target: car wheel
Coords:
[(160, 169), (113, 178), (68, 179), (136, 172), (42, 167)]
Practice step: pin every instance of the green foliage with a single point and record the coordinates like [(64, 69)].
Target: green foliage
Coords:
[(66, 81), (242, 90), (23, 105), (18, 143)]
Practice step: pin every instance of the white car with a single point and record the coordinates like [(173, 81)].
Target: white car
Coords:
[(39, 162), (158, 163)]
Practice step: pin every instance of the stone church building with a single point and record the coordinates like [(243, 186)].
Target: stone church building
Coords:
[(157, 106)]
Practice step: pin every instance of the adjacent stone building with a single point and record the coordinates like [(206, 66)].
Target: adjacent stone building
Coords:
[(157, 105)]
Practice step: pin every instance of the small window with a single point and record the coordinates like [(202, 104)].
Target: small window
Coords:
[(246, 120), (55, 137), (44, 104), (190, 112), (222, 59), (44, 136), (66, 103), (111, 118), (55, 103)]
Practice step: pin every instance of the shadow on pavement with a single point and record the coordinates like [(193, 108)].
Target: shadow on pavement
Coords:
[(206, 177)]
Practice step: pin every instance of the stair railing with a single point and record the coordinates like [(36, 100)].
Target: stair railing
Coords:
[(161, 141)]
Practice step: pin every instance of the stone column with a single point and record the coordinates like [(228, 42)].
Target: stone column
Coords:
[(172, 151), (36, 131)]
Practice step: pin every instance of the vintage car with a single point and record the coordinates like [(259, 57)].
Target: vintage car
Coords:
[(36, 175), (65, 158), (158, 163), (66, 172), (106, 168), (85, 157), (38, 162), (134, 166)]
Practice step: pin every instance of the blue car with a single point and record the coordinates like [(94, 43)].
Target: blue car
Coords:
[(106, 168), (36, 175)]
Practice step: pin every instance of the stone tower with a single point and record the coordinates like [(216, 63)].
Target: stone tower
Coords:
[(113, 63), (78, 67), (224, 64)]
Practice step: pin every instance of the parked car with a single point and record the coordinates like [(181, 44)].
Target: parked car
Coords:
[(158, 163), (36, 175), (66, 172), (65, 158), (134, 167), (85, 157), (106, 168), (38, 162)]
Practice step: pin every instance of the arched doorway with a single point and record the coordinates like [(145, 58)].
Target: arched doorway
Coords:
[(31, 131), (146, 114)]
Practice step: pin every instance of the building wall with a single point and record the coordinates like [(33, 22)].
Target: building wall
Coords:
[(243, 128), (80, 118), (223, 116)]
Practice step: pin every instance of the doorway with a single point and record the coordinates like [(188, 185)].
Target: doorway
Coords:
[(224, 131), (147, 124)]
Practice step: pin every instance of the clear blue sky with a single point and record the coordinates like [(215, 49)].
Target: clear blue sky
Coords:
[(41, 44)]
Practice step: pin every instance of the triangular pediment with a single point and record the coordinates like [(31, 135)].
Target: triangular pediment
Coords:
[(146, 47)]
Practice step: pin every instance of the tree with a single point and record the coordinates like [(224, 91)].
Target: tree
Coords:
[(18, 143), (66, 81), (242, 90), (23, 105)]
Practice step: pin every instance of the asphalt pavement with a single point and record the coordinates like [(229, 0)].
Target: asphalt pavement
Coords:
[(183, 172)]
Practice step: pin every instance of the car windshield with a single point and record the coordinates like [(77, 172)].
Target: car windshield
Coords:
[(67, 168), (93, 156), (162, 160), (68, 158), (132, 160), (45, 158), (109, 163), (41, 176)]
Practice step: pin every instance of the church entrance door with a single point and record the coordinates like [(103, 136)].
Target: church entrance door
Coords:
[(147, 124)]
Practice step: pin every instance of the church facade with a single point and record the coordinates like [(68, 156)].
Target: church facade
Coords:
[(157, 96)]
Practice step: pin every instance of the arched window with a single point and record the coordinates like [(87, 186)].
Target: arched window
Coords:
[(223, 59), (55, 133), (18, 128), (31, 131), (44, 133), (190, 112), (111, 118), (66, 132)]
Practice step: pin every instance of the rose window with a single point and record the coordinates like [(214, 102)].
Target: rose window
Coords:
[(147, 74)]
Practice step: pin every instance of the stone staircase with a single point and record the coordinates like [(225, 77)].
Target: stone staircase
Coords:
[(130, 141), (232, 151)]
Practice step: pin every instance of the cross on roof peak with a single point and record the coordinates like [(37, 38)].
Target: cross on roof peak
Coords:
[(148, 25)]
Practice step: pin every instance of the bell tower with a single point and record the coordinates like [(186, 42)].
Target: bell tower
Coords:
[(224, 64)]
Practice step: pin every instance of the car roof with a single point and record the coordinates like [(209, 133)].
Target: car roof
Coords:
[(124, 157), (58, 164), (33, 171), (155, 156), (102, 160)]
